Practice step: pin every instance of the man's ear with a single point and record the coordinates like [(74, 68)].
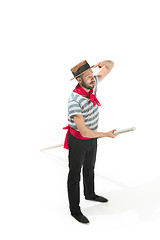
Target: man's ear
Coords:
[(79, 79)]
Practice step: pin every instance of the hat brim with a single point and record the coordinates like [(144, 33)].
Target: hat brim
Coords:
[(82, 73)]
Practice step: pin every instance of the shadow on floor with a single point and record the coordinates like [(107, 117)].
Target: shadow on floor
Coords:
[(144, 200)]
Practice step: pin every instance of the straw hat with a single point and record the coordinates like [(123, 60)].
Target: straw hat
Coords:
[(80, 68)]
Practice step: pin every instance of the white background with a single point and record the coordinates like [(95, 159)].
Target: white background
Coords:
[(40, 42)]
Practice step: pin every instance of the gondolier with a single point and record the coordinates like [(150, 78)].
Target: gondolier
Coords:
[(81, 137)]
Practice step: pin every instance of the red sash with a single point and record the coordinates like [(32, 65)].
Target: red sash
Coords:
[(74, 133)]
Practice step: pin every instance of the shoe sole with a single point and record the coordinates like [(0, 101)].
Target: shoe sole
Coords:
[(79, 221), (96, 201)]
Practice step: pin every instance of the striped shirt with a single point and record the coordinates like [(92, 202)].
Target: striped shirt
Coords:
[(77, 104)]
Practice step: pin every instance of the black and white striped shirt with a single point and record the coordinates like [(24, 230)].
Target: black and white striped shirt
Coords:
[(77, 104)]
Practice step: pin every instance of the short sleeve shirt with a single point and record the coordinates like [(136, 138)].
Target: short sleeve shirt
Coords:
[(77, 104)]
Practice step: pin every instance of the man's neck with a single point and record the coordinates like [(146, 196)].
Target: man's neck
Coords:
[(86, 89)]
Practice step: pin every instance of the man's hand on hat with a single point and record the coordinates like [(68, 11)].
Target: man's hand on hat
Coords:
[(107, 63), (99, 64)]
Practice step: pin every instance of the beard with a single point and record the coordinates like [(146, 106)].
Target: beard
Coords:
[(86, 85)]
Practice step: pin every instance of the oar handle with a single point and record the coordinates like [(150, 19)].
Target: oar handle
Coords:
[(124, 130)]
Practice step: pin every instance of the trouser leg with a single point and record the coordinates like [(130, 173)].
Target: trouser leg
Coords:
[(77, 150), (88, 170), (73, 186)]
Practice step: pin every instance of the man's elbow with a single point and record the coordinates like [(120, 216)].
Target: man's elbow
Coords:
[(84, 133)]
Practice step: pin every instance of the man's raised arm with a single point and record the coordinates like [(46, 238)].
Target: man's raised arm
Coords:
[(106, 66)]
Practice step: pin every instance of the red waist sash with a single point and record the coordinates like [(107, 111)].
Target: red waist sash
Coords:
[(74, 133)]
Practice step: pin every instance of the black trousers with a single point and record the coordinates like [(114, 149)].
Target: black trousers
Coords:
[(82, 153)]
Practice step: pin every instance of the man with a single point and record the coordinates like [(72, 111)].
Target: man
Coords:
[(81, 138)]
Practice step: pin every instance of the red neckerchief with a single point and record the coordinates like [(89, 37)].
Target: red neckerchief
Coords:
[(92, 97)]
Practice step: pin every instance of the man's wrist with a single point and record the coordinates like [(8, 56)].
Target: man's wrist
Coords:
[(107, 64)]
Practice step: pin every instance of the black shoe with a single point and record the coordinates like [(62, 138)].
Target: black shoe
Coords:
[(97, 199), (80, 218)]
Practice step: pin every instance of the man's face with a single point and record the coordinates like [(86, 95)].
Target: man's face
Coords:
[(87, 80)]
